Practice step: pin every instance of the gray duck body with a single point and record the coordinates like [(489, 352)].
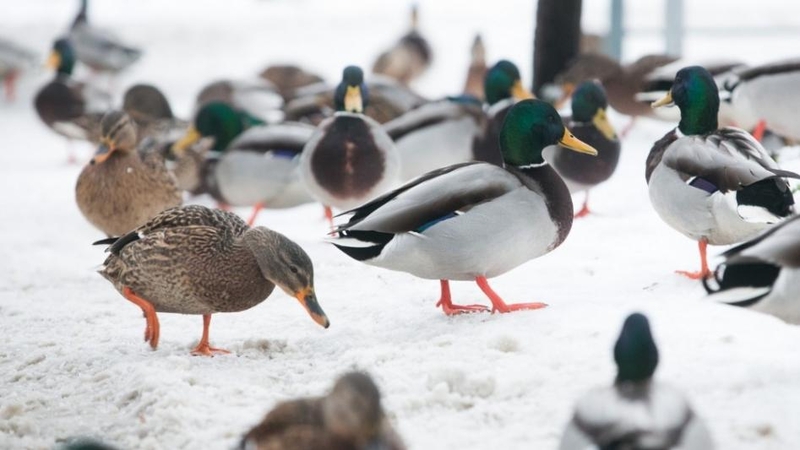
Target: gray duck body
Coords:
[(190, 260)]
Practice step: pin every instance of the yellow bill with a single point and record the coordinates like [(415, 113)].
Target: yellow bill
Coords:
[(54, 60), (352, 100), (600, 120), (519, 92), (188, 139), (666, 100), (571, 142)]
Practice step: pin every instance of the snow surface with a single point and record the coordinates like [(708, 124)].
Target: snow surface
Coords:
[(73, 361)]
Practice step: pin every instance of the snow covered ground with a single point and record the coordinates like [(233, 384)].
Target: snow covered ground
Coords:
[(73, 361)]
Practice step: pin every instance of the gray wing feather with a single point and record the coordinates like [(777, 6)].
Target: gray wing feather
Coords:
[(779, 245)]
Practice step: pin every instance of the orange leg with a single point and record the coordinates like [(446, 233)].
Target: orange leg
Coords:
[(585, 209), (203, 349), (449, 308), (758, 131), (627, 129), (223, 206), (702, 244), (498, 304), (328, 215), (9, 83), (152, 329), (256, 209)]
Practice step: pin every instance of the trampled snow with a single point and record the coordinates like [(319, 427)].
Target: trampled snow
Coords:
[(73, 361)]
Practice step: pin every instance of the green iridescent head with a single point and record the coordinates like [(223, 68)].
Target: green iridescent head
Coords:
[(529, 127), (218, 120), (503, 81), (635, 352), (62, 57), (351, 94), (589, 103), (696, 94)]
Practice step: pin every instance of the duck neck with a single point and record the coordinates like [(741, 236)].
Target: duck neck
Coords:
[(700, 117)]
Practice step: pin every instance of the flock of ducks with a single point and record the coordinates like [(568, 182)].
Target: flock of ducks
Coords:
[(464, 188)]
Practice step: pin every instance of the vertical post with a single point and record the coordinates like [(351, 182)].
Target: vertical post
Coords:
[(556, 39), (616, 32), (673, 33)]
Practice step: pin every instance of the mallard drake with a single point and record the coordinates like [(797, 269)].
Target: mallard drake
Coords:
[(503, 87), (763, 274), (350, 417), (120, 189), (408, 58), (257, 97), (99, 49), (474, 220), (439, 134), (70, 108), (767, 93), (14, 59), (476, 73), (636, 412), (196, 260), (288, 79), (715, 185), (589, 124), (349, 159), (261, 168), (218, 120), (388, 100)]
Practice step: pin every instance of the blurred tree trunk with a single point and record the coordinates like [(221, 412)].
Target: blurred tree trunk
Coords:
[(557, 39)]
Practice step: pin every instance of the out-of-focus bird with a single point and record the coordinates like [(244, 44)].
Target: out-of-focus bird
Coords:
[(349, 417), (97, 48), (763, 274), (14, 60), (70, 108), (350, 159), (289, 78), (408, 58), (196, 260), (636, 412), (715, 185), (476, 73), (589, 124), (257, 97), (475, 220), (121, 189)]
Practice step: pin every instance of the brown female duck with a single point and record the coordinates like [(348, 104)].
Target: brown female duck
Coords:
[(120, 189), (196, 260), (349, 418)]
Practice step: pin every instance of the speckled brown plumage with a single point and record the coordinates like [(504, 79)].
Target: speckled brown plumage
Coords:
[(349, 418), (197, 260), (125, 189)]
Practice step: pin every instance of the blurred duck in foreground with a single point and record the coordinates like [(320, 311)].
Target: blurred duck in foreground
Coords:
[(589, 124), (474, 220), (350, 159), (408, 58), (14, 60), (99, 49), (350, 417), (636, 412), (763, 274), (715, 185), (70, 108), (196, 260), (121, 189)]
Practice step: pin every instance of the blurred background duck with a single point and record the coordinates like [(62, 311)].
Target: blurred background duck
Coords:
[(70, 108), (763, 274), (196, 260), (766, 96), (636, 412), (14, 60), (97, 48), (120, 189), (149, 108), (588, 123), (257, 97), (476, 73), (502, 87), (350, 159), (288, 79), (349, 417), (407, 59), (715, 185), (474, 220)]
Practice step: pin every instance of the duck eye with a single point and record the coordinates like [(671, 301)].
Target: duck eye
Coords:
[(293, 269)]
